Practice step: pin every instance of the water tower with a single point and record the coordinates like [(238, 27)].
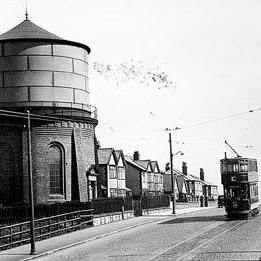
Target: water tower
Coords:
[(48, 76)]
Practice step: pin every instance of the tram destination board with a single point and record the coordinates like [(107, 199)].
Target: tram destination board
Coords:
[(232, 178)]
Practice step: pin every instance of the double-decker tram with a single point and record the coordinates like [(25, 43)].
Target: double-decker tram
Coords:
[(239, 177)]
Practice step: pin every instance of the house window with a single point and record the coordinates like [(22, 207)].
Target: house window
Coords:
[(150, 177), (143, 178), (112, 171), (122, 193), (121, 173), (56, 170), (113, 192)]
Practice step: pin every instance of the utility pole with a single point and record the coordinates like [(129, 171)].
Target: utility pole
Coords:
[(31, 195), (173, 196)]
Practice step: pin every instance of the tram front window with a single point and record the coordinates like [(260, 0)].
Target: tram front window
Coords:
[(244, 191), (238, 192), (233, 193)]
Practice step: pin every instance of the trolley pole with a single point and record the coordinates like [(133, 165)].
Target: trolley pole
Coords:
[(31, 196), (173, 196)]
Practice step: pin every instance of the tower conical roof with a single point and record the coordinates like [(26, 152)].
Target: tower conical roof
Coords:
[(28, 30)]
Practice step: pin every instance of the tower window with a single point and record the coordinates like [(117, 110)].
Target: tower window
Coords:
[(56, 170)]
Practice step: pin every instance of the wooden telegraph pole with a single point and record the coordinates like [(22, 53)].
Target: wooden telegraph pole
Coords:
[(173, 196)]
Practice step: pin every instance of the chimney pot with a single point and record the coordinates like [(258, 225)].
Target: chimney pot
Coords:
[(201, 173), (136, 155), (184, 168)]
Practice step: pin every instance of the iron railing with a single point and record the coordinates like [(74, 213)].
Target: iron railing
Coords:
[(19, 234), (20, 213)]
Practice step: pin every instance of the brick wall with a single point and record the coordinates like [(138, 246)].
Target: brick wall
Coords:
[(59, 133), (10, 164)]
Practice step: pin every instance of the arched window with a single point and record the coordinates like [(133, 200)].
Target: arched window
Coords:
[(56, 163)]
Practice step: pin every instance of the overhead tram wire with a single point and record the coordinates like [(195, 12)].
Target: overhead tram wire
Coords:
[(213, 120), (132, 130)]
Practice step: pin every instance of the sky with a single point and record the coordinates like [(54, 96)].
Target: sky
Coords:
[(210, 51)]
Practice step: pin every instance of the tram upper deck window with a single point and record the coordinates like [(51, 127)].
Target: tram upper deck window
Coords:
[(243, 166), (229, 167), (252, 165)]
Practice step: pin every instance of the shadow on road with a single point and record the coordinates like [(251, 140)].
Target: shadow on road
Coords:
[(195, 219)]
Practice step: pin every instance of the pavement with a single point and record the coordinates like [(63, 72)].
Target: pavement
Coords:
[(58, 243)]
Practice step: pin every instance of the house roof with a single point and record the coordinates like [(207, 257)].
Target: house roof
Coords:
[(175, 172), (143, 163), (134, 163), (154, 166), (208, 183), (193, 177), (118, 154), (104, 155), (190, 177), (27, 30), (179, 173)]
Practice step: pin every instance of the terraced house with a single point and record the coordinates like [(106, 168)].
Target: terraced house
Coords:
[(189, 187), (158, 178), (152, 177), (111, 167), (136, 177)]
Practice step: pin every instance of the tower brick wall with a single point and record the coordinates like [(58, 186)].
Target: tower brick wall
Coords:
[(10, 163), (59, 133)]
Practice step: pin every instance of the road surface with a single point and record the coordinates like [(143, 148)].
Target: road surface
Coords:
[(200, 235)]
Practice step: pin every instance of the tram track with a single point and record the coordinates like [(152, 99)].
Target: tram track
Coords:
[(185, 249)]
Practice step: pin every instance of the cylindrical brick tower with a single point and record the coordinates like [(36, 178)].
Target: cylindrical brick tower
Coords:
[(48, 76)]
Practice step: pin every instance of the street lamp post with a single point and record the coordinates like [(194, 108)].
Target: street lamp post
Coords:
[(30, 176), (173, 195)]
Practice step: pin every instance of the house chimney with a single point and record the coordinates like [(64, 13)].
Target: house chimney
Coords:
[(136, 155), (167, 167), (184, 168), (201, 173)]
